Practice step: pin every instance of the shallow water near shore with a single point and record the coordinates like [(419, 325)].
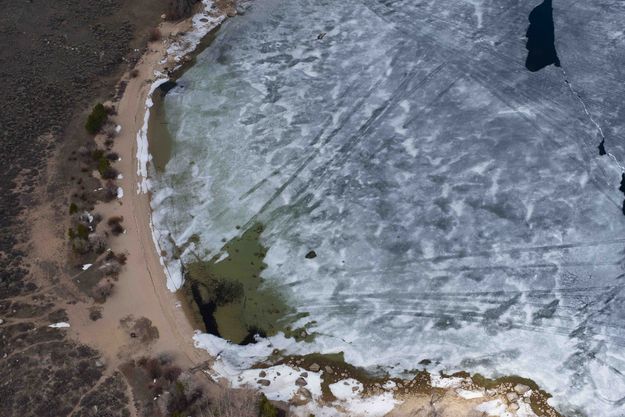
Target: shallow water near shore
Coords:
[(455, 201)]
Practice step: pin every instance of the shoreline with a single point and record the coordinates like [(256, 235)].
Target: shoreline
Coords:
[(141, 288)]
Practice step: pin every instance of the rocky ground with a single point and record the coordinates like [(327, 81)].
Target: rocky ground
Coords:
[(57, 57)]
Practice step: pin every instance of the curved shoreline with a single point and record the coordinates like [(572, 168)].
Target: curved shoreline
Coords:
[(141, 289)]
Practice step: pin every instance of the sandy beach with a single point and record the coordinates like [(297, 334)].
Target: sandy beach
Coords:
[(140, 290)]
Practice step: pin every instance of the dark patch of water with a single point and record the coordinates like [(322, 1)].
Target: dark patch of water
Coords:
[(602, 148), (541, 49), (166, 87), (207, 311)]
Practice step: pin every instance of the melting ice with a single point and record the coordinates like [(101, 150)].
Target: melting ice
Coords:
[(457, 204)]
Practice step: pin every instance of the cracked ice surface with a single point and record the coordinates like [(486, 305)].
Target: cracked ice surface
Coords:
[(457, 202)]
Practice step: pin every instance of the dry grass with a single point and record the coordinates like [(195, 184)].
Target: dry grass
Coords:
[(231, 403)]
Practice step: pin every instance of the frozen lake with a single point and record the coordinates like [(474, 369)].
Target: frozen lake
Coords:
[(458, 204)]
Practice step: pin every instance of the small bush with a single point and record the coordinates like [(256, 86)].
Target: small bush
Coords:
[(82, 231), (73, 208), (134, 73), (115, 225), (115, 219), (103, 165), (154, 35), (98, 243), (80, 246), (95, 313), (266, 408), (102, 290), (112, 156), (110, 173), (97, 154), (110, 130), (110, 190), (111, 268), (96, 119)]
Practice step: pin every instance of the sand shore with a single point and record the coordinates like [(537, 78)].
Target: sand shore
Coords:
[(141, 289)]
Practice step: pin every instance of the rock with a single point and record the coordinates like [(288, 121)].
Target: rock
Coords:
[(513, 407), (301, 397), (1, 321), (300, 382), (264, 382), (311, 255), (262, 374), (329, 370), (99, 363), (521, 389), (303, 374), (314, 367), (512, 396), (321, 35), (163, 16)]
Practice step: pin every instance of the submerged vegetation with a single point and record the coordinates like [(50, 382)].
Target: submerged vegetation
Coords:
[(229, 295)]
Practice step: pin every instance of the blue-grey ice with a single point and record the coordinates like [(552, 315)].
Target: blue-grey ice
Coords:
[(457, 203)]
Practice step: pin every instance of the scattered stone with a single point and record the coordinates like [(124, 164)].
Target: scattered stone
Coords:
[(264, 382), (329, 370), (321, 35), (512, 396), (315, 367), (521, 389), (262, 374), (311, 255), (300, 382), (303, 374), (99, 363), (513, 407)]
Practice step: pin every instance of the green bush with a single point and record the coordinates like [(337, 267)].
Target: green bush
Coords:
[(96, 119), (103, 165), (73, 208), (82, 231)]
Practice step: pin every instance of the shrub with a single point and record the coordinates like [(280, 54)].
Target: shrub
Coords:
[(97, 242), (109, 173), (82, 231), (171, 372), (96, 119), (134, 73), (103, 165), (111, 268), (115, 219), (95, 313), (79, 245), (110, 190), (110, 130), (73, 208), (102, 290), (266, 408), (154, 35)]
